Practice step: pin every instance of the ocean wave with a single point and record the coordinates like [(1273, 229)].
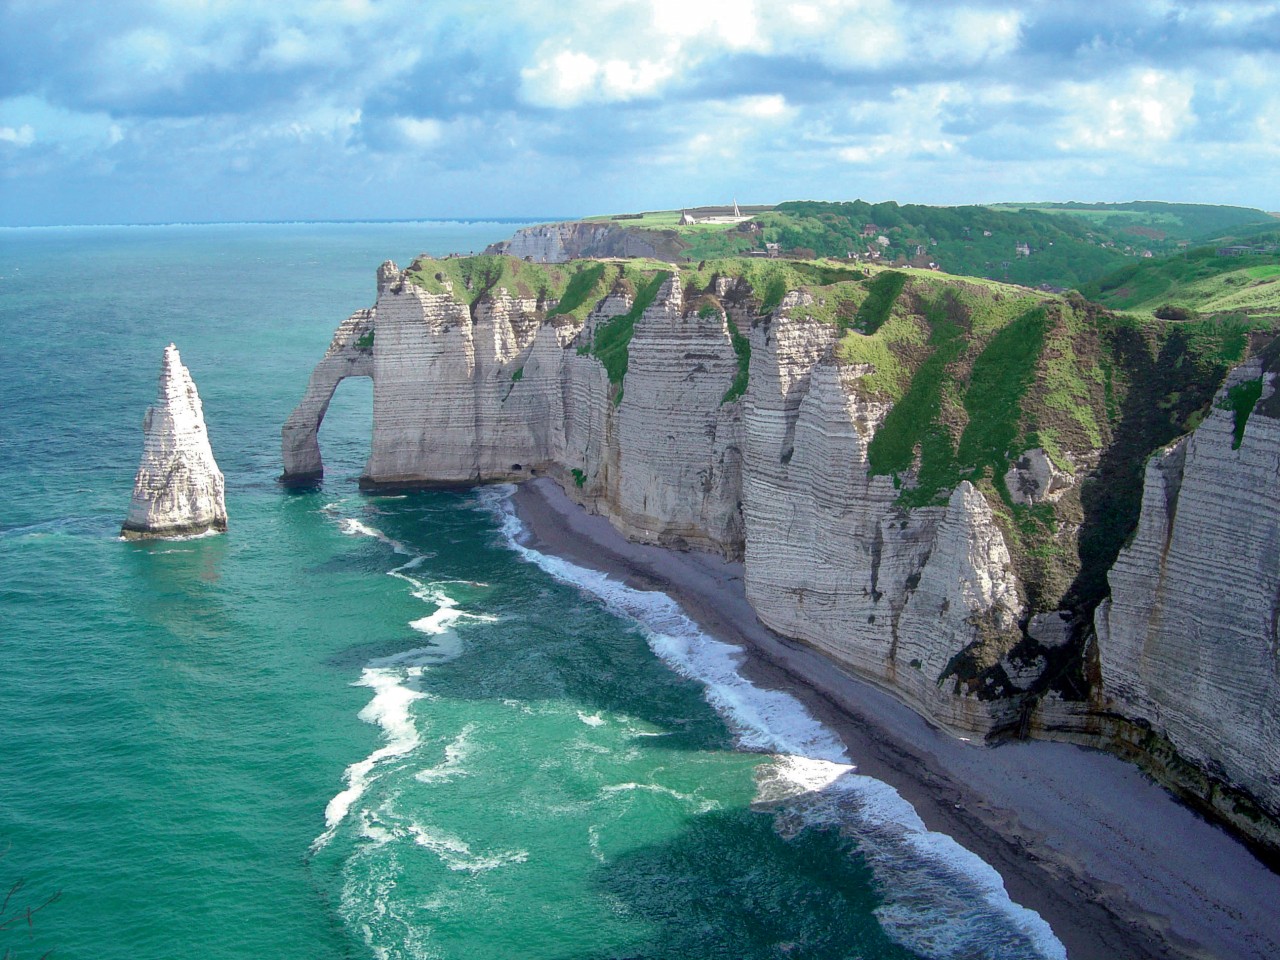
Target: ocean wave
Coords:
[(941, 900), (456, 854), (390, 710), (394, 678)]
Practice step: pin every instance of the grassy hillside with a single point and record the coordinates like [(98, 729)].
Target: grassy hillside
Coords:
[(1159, 226), (1061, 245), (1199, 282)]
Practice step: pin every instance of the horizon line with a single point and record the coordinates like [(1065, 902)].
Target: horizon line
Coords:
[(281, 223)]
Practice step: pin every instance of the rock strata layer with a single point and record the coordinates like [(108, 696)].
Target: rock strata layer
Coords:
[(726, 425), (1188, 639), (178, 490)]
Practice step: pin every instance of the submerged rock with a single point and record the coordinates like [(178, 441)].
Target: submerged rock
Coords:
[(179, 489)]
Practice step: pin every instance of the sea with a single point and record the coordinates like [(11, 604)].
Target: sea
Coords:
[(363, 726)]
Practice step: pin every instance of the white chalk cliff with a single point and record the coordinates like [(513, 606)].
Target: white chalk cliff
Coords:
[(928, 601), (1188, 639), (178, 490)]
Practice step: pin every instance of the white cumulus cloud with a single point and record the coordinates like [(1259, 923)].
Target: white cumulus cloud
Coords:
[(22, 136)]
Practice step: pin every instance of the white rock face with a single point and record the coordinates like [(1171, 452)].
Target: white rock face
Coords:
[(493, 393), (1034, 478), (561, 242), (178, 490), (1188, 640), (892, 594)]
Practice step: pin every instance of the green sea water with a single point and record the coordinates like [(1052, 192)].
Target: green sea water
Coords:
[(362, 726)]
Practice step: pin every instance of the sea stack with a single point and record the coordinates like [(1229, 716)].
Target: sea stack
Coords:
[(178, 491)]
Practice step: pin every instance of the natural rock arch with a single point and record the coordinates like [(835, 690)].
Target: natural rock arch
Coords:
[(350, 354)]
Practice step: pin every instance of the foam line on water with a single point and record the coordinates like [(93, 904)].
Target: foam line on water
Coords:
[(392, 678), (455, 753), (390, 710), (942, 900)]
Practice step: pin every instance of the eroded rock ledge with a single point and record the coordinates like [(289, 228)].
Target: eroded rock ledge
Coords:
[(928, 480)]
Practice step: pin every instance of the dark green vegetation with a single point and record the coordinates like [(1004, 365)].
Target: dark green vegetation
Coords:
[(1059, 244), (999, 380), (613, 337), (1159, 225), (741, 347), (1161, 378), (580, 293), (882, 293), (365, 342), (1240, 400)]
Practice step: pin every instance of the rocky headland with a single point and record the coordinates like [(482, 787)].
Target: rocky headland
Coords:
[(1019, 514), (178, 490)]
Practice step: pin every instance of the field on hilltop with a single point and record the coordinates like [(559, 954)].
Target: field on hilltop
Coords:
[(1055, 245), (1199, 282)]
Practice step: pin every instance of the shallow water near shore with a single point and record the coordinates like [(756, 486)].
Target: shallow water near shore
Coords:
[(364, 726)]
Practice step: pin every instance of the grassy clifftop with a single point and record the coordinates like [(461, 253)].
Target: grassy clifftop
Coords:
[(978, 372), (1058, 244)]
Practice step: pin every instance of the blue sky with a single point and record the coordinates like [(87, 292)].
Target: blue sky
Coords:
[(162, 110)]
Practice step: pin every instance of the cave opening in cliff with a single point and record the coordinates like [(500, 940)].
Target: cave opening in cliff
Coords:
[(346, 431)]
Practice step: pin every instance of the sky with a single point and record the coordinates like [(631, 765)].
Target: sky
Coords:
[(143, 111)]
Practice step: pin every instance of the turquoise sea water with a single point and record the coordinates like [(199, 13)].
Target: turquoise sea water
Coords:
[(377, 726)]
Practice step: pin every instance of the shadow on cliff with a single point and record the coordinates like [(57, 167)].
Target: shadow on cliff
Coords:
[(1165, 386)]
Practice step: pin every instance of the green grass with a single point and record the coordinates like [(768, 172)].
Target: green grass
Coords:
[(891, 376), (472, 279), (882, 294), (581, 293), (1199, 281), (741, 347), (1240, 400), (771, 280), (612, 338), (915, 419), (365, 342), (1000, 378)]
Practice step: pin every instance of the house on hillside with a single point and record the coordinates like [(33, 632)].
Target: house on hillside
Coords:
[(1022, 249), (870, 229)]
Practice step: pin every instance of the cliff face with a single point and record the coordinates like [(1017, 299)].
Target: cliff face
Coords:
[(909, 471), (178, 490), (562, 242), (1188, 638)]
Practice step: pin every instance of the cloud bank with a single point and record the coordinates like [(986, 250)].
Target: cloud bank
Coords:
[(185, 109)]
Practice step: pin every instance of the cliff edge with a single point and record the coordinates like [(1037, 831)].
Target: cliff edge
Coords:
[(928, 478)]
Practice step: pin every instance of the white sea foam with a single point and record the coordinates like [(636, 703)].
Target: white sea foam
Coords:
[(591, 719), (456, 853), (455, 753), (942, 901), (700, 804), (393, 678), (389, 709)]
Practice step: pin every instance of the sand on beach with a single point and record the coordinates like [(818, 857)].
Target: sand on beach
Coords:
[(1117, 866)]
